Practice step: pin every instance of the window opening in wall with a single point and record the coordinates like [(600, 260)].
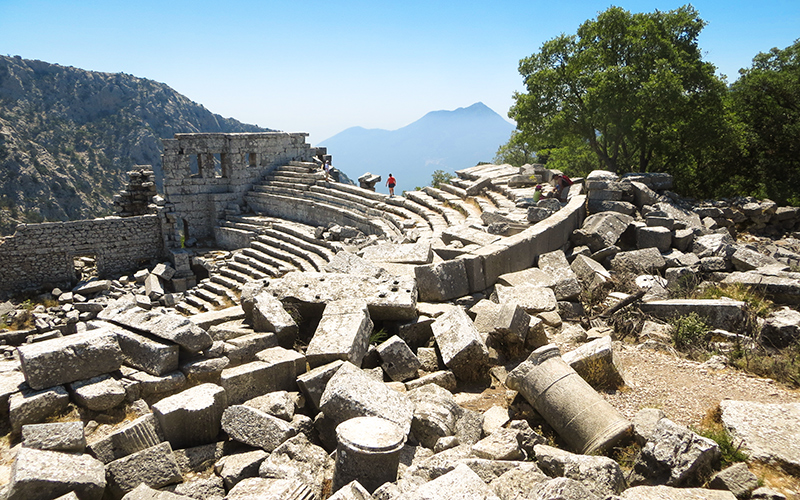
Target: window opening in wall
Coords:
[(85, 266), (194, 165), (225, 163), (252, 159), (218, 165), (183, 232)]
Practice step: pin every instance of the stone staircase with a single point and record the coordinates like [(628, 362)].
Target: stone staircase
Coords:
[(293, 200)]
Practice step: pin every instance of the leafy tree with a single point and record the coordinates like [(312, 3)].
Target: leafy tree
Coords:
[(517, 151), (440, 177), (630, 87), (766, 98)]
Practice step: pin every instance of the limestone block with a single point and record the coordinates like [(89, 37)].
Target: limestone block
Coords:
[(780, 287), (460, 482), (349, 263), (164, 271), (388, 298), (565, 282), (56, 436), (352, 393), (601, 230), (768, 432), (399, 361), (155, 467), (211, 318), (463, 351), (298, 459), (238, 466), (270, 316), (191, 417), (590, 273), (403, 253), (198, 371), (479, 185), (533, 299), (427, 358), (256, 378), (607, 206), (682, 239), (148, 385), (268, 489), (33, 407), (468, 235), (91, 287), (647, 260), (436, 414), (294, 361), (153, 287), (644, 423), (601, 475), (40, 474), (642, 194), (511, 324), (722, 313), (254, 427), (279, 404), (737, 479), (745, 259), (352, 491), (658, 492), (313, 382), (343, 333), (781, 328), (98, 393), (66, 359), (416, 333), (595, 363), (443, 378), (136, 436), (146, 354), (494, 419), (442, 281), (244, 349), (714, 245), (500, 445), (230, 330), (675, 456), (658, 237), (166, 325), (144, 492)]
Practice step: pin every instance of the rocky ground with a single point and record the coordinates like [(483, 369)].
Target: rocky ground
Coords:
[(455, 379)]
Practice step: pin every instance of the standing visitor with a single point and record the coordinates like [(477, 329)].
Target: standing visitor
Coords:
[(391, 182), (327, 168)]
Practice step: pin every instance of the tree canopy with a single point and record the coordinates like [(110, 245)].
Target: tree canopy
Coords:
[(766, 99), (632, 88)]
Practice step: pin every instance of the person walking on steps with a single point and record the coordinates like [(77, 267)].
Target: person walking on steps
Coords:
[(391, 182), (327, 169)]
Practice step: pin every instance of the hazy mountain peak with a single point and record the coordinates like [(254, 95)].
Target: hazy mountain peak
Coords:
[(446, 140)]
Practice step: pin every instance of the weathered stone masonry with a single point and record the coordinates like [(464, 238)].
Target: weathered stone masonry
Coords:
[(204, 175), (207, 174), (39, 254)]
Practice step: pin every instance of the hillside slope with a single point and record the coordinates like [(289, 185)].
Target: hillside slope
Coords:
[(69, 136), (440, 140)]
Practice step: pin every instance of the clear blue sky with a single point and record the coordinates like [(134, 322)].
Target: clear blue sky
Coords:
[(323, 66)]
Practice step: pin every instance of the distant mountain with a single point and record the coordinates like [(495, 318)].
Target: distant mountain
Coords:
[(68, 137), (440, 140)]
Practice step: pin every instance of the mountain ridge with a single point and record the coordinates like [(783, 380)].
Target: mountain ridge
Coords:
[(439, 140), (68, 137)]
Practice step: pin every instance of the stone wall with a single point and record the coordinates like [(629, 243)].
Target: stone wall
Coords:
[(207, 174), (37, 255)]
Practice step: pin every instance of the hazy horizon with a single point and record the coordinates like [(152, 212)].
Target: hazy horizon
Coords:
[(323, 67)]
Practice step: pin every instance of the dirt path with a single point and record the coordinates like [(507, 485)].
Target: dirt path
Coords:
[(685, 390)]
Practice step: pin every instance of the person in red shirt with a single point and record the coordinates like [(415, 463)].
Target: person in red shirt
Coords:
[(391, 182)]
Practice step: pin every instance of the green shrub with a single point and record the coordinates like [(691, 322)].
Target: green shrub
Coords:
[(689, 331)]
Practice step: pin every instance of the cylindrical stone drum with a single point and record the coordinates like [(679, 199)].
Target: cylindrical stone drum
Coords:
[(368, 451), (570, 405)]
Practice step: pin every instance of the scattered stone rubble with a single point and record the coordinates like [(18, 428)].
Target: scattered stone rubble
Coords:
[(252, 398)]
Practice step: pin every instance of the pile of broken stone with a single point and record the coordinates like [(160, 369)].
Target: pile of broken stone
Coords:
[(248, 401)]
